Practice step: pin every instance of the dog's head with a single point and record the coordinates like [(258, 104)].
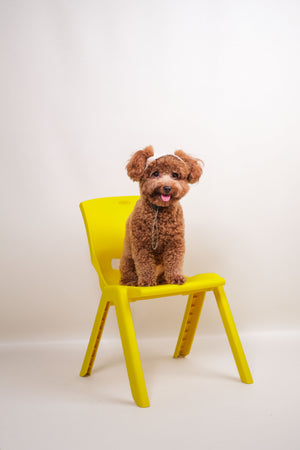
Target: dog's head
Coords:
[(166, 179)]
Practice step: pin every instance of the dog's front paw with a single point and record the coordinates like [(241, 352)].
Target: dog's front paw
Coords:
[(177, 279), (144, 282), (129, 283)]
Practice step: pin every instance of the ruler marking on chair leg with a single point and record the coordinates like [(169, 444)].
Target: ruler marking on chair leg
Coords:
[(185, 339), (94, 352), (191, 324)]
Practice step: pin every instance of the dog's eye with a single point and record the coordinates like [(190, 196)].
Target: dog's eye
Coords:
[(175, 175), (155, 174)]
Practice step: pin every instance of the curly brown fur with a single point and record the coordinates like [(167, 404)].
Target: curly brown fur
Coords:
[(151, 257)]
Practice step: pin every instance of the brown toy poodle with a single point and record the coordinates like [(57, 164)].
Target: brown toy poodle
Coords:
[(154, 242)]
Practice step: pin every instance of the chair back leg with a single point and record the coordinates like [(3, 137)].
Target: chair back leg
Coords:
[(189, 324), (94, 341)]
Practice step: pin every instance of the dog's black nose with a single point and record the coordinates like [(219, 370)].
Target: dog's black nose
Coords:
[(167, 189)]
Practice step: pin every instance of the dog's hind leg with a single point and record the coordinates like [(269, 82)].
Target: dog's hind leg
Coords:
[(128, 272), (127, 267)]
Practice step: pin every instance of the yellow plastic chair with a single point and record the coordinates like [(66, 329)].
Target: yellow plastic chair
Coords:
[(105, 220)]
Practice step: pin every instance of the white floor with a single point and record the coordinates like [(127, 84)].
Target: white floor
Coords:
[(196, 403)]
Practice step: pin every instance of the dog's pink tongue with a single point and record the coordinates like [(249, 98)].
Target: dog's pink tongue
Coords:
[(165, 198)]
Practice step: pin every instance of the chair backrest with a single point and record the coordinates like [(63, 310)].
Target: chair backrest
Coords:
[(105, 222)]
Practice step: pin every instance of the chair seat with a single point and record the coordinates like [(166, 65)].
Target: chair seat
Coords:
[(197, 283)]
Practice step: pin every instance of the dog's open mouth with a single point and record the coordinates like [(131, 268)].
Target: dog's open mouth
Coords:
[(165, 198)]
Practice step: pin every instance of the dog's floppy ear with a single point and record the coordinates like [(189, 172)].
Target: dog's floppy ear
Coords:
[(137, 163), (194, 165)]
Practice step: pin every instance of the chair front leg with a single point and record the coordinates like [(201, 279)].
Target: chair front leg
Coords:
[(233, 336), (131, 352)]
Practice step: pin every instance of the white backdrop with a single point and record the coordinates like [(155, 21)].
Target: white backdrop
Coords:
[(86, 83)]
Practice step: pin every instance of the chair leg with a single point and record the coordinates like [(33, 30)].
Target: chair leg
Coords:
[(189, 324), (131, 352), (94, 341), (233, 336)]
